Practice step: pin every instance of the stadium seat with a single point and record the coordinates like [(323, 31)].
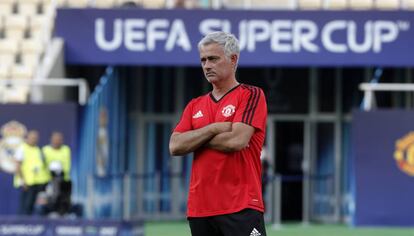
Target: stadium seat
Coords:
[(20, 71), (153, 3), (361, 4), (4, 71), (270, 4), (6, 7), (16, 94), (8, 51), (310, 4), (388, 4), (78, 3), (15, 26), (336, 4), (407, 4), (31, 50), (38, 24), (8, 58), (28, 7), (2, 19), (103, 3)]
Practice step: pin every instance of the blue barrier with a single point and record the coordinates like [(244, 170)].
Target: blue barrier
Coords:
[(11, 226)]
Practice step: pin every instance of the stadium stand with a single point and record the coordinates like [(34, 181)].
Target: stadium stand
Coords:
[(309, 4), (27, 25)]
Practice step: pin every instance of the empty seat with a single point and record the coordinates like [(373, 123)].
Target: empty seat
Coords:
[(103, 3), (8, 51), (20, 71), (16, 26), (78, 3), (28, 7), (361, 4), (2, 19), (40, 26), (336, 4), (16, 94), (31, 51), (153, 3), (8, 58), (407, 4), (4, 71), (272, 4), (6, 7), (310, 4), (387, 4)]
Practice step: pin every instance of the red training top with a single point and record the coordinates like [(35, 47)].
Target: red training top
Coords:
[(223, 183)]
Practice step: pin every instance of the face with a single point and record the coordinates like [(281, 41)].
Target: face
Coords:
[(32, 138), (216, 65), (56, 140)]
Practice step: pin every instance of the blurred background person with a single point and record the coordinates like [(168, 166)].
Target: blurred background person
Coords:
[(32, 174), (58, 160)]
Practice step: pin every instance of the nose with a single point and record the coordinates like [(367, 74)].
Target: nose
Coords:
[(207, 65)]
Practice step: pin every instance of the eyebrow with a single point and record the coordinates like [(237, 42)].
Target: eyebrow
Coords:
[(209, 58)]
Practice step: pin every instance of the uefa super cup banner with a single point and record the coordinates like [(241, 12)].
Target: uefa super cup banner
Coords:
[(267, 38), (383, 146), (15, 122)]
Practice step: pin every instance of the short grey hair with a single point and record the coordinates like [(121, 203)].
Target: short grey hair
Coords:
[(227, 41)]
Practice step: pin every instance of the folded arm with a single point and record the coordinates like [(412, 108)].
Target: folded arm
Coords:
[(234, 140), (186, 142)]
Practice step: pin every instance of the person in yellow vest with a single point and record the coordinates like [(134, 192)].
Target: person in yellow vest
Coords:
[(58, 160), (32, 174)]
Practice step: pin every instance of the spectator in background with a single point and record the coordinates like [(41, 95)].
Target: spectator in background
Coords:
[(32, 174), (58, 160)]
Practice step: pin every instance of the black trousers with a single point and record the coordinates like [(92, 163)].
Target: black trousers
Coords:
[(28, 198), (247, 222)]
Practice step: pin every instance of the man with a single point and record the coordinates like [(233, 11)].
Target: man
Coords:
[(58, 160), (32, 174), (225, 129), (58, 154)]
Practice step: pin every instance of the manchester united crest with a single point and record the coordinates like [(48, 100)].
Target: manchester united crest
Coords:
[(12, 134), (404, 154), (228, 110)]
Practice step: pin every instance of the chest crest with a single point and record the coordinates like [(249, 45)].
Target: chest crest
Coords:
[(228, 110)]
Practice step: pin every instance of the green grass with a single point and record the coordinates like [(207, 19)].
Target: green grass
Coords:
[(182, 229)]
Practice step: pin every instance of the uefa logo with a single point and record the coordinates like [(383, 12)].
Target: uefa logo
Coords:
[(404, 153), (228, 110)]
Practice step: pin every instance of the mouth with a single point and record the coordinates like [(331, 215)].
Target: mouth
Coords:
[(209, 74)]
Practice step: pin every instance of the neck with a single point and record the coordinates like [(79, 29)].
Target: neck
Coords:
[(222, 88)]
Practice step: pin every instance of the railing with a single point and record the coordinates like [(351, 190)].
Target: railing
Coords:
[(370, 88), (82, 85)]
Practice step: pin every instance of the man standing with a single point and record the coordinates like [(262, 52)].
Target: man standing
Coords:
[(32, 174), (225, 129), (58, 160)]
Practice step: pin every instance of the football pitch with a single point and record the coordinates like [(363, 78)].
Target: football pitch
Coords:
[(181, 229)]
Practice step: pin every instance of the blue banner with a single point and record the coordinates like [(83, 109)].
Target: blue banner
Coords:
[(383, 144), (15, 122), (18, 226), (267, 38)]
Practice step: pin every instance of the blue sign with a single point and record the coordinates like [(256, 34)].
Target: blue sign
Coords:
[(18, 226), (15, 121), (267, 38), (383, 144)]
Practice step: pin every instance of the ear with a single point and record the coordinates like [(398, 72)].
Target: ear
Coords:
[(234, 59)]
